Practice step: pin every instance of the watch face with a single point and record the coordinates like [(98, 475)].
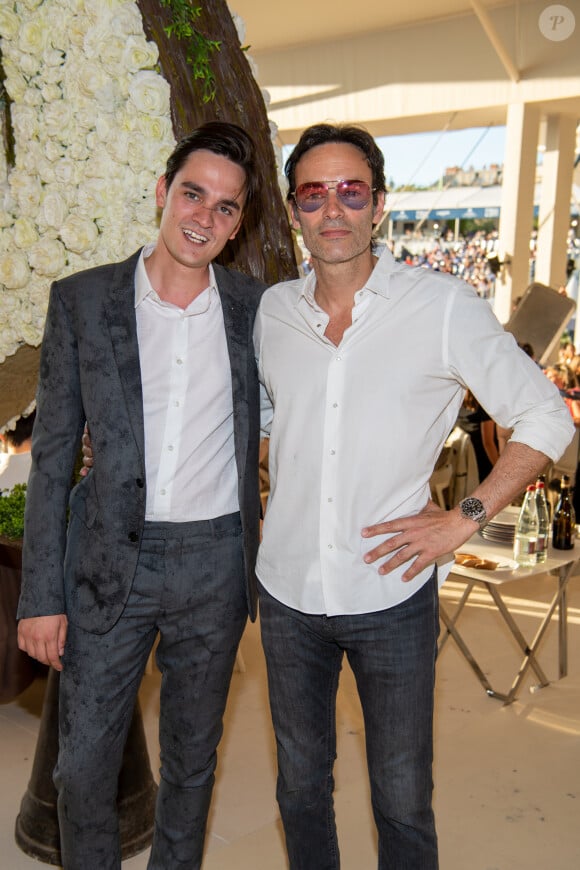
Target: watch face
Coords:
[(473, 509)]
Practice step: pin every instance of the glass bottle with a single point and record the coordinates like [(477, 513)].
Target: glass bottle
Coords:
[(564, 522), (526, 536), (543, 521)]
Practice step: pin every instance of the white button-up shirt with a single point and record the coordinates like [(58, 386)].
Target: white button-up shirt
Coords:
[(357, 428), (187, 404)]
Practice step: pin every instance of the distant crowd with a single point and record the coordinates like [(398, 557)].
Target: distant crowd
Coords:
[(474, 259)]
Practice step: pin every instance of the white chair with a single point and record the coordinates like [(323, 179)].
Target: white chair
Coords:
[(440, 483)]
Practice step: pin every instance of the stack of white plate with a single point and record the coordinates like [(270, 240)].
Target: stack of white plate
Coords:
[(501, 529)]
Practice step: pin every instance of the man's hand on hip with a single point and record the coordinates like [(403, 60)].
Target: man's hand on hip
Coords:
[(43, 638), (423, 538)]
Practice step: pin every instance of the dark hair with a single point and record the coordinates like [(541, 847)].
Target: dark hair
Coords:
[(220, 137), (348, 134), (22, 431)]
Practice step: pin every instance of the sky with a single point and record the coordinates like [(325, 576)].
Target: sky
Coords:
[(421, 158)]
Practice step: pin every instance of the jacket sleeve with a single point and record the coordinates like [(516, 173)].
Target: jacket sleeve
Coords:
[(55, 444)]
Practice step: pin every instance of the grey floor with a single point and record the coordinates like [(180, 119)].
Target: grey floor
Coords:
[(507, 779)]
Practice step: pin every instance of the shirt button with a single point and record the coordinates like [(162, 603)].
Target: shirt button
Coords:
[(163, 491), (179, 361), (330, 547), (338, 358), (170, 448), (133, 537), (332, 452), (330, 500), (140, 482), (335, 405)]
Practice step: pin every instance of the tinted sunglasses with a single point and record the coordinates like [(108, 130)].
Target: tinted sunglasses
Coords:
[(314, 194)]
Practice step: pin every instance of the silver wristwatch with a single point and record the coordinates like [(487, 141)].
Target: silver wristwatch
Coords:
[(472, 509)]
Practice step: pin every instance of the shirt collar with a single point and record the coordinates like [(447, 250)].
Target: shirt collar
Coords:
[(143, 286), (378, 281)]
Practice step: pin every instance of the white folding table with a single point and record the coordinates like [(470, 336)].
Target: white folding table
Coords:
[(559, 565)]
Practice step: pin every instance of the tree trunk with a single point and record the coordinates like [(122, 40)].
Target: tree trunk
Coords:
[(264, 247)]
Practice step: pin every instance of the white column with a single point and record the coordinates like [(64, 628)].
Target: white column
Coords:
[(517, 205), (554, 214)]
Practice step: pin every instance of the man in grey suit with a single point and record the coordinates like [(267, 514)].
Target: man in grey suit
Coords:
[(156, 354)]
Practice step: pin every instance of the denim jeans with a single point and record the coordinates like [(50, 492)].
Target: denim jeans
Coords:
[(392, 655), (188, 589)]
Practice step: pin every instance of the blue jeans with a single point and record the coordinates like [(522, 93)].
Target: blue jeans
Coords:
[(392, 655), (188, 589)]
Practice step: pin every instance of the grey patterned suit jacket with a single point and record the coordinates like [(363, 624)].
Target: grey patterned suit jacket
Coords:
[(90, 371)]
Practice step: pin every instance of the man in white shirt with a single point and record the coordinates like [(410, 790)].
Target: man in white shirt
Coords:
[(358, 423), (156, 354)]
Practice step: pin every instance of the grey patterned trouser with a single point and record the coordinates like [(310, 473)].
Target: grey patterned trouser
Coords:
[(189, 589)]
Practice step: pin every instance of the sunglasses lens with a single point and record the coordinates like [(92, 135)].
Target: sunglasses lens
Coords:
[(312, 195), (354, 194)]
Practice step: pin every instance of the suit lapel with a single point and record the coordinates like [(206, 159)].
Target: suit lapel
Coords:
[(238, 337), (120, 314)]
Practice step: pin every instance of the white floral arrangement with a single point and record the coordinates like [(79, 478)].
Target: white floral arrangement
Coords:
[(92, 130)]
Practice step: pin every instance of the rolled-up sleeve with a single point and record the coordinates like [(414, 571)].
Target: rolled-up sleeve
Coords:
[(505, 381)]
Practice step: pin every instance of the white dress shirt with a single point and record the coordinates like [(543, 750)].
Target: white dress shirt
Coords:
[(187, 404), (357, 428)]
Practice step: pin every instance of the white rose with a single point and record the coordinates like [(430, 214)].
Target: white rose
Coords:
[(26, 190), (15, 83), (146, 213), (30, 331), (33, 162), (53, 210), (157, 128), (142, 153), (66, 170), (58, 117), (25, 122), (25, 233), (55, 57), (92, 78), (149, 93), (14, 271), (96, 37), (92, 198), (53, 150), (79, 150), (33, 97), (127, 19), (51, 93), (118, 146), (47, 257), (139, 54), (77, 30), (9, 23), (79, 234), (34, 36), (108, 97), (29, 65)]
